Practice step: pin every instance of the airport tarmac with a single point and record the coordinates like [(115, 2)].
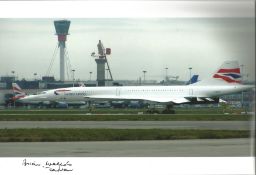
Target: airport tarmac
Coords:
[(22, 113), (164, 148), (214, 125)]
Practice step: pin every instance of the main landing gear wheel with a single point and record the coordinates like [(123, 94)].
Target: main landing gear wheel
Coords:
[(169, 109)]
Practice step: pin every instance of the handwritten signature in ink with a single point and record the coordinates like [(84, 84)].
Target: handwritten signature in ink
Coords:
[(53, 166)]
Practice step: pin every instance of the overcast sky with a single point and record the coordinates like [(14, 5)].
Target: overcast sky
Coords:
[(151, 44)]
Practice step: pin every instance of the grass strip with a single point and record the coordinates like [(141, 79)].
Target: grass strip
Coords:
[(60, 135), (127, 117), (115, 111)]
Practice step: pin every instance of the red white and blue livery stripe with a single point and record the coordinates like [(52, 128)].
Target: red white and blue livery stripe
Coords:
[(229, 73)]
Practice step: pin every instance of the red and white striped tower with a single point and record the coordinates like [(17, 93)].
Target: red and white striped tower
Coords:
[(62, 27)]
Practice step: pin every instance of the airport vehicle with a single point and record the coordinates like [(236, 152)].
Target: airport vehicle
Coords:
[(225, 81)]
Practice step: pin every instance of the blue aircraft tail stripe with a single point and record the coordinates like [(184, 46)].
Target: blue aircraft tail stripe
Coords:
[(233, 75)]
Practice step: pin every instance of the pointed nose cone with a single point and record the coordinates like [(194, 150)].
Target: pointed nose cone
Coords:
[(23, 100), (26, 99)]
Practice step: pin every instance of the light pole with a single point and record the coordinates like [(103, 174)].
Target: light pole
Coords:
[(166, 74), (144, 74), (242, 79), (35, 74), (13, 72), (190, 68), (73, 71), (242, 72), (107, 76), (90, 76)]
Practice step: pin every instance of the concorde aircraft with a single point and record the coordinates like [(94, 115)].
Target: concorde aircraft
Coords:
[(226, 80), (19, 93)]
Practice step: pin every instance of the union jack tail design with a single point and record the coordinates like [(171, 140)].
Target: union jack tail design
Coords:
[(18, 93), (229, 72)]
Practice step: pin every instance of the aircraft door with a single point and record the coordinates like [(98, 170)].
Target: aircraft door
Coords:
[(118, 91)]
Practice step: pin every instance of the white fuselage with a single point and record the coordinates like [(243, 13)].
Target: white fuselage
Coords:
[(173, 94), (224, 81)]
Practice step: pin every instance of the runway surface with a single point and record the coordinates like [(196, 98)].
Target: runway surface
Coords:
[(167, 148), (88, 114), (214, 125)]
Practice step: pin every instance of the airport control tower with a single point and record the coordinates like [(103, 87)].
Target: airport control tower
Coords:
[(101, 60), (62, 27)]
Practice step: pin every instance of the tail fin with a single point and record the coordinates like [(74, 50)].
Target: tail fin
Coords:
[(194, 79), (229, 72), (18, 93)]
